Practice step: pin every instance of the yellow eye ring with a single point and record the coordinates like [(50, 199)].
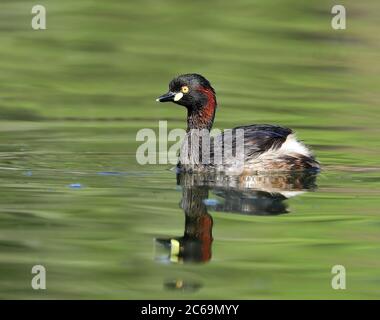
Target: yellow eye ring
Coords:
[(185, 89)]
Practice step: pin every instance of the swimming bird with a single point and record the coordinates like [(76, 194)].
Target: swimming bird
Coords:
[(265, 147)]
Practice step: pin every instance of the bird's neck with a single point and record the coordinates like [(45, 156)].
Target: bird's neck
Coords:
[(202, 116)]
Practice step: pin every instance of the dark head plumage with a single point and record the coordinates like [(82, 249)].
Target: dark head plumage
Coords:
[(194, 92)]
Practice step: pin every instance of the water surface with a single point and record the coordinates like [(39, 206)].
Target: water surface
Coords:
[(74, 199)]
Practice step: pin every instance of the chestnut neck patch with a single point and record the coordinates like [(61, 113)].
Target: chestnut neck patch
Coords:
[(203, 117)]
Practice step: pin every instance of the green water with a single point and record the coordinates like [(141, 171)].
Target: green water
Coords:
[(74, 199)]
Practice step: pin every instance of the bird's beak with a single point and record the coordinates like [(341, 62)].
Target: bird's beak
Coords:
[(170, 96)]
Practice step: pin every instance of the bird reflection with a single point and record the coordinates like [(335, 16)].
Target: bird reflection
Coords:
[(249, 195)]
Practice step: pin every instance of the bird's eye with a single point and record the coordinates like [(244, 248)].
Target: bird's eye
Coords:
[(185, 89)]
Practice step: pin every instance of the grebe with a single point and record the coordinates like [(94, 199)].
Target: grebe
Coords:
[(266, 147)]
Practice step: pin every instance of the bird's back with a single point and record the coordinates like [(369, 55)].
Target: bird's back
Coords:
[(261, 147)]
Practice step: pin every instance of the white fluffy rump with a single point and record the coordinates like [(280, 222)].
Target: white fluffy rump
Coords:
[(292, 145)]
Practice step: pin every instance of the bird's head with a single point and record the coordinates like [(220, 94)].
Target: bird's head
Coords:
[(194, 92)]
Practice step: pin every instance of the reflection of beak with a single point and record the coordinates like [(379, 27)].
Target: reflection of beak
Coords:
[(170, 96), (174, 250), (174, 247)]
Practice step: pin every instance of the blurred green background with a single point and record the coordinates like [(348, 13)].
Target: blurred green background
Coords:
[(72, 98)]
